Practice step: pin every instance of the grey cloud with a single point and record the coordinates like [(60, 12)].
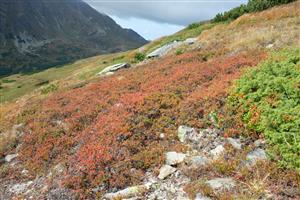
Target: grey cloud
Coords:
[(179, 12)]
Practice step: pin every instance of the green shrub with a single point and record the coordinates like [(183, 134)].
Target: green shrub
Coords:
[(251, 6), (194, 25), (139, 57), (179, 52), (269, 99)]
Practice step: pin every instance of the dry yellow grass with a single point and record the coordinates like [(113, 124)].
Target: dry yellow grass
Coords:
[(279, 26)]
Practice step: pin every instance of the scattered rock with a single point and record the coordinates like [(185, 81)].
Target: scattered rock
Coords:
[(270, 46), (201, 197), (198, 161), (171, 188), (60, 194), (221, 183), (128, 192), (256, 155), (58, 169), (11, 157), (219, 150), (111, 69), (174, 158), (185, 133), (161, 136), (20, 187), (165, 171), (235, 143), (25, 172)]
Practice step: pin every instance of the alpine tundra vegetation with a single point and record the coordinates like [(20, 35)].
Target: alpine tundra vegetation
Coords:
[(215, 117)]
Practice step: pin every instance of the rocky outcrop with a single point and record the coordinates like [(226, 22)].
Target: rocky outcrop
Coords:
[(113, 68)]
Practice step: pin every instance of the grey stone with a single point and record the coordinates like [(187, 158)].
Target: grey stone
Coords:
[(128, 192), (11, 157), (199, 161), (221, 183), (60, 194), (256, 155), (217, 152), (184, 133), (235, 143), (111, 69), (164, 49), (165, 171), (20, 187), (190, 41), (173, 158)]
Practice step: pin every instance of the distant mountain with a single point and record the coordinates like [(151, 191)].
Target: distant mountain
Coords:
[(38, 34)]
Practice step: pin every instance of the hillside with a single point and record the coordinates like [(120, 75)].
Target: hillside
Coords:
[(217, 119), (36, 35)]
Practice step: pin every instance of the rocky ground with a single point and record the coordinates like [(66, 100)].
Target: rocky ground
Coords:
[(205, 147), (176, 179)]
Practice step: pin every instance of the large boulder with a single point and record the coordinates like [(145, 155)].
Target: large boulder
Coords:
[(164, 49), (113, 68)]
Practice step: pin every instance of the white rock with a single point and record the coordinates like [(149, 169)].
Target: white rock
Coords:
[(161, 136), (165, 171), (219, 150), (173, 158), (20, 188), (256, 155), (128, 192), (270, 46), (9, 158), (235, 143), (201, 197), (221, 183)]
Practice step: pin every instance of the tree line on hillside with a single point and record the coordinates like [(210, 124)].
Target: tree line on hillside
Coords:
[(251, 6)]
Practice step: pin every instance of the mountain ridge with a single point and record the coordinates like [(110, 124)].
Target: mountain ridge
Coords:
[(41, 34)]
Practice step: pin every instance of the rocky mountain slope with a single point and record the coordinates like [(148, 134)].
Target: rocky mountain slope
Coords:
[(216, 119), (35, 35)]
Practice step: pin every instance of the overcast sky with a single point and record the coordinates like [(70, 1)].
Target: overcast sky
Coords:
[(156, 18)]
